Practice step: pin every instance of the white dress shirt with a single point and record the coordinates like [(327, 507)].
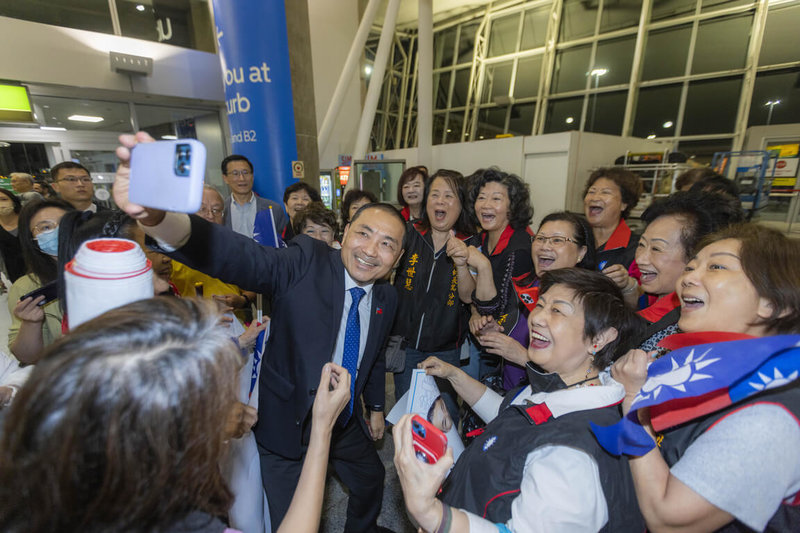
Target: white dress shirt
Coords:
[(364, 309)]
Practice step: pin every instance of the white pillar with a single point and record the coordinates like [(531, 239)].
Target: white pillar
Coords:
[(346, 76), (425, 81), (376, 80)]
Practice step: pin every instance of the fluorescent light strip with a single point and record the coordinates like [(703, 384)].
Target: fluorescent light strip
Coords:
[(169, 137), (85, 118), (52, 128)]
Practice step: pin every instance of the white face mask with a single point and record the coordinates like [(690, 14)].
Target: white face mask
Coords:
[(7, 210)]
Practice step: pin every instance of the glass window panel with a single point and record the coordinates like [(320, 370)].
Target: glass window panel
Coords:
[(466, 42), (55, 112), (783, 86), (534, 28), (521, 121), (92, 15), (578, 19), (563, 115), (781, 42), (460, 88), (443, 47), (657, 111), (24, 157), (616, 57), (496, 81), (180, 22), (491, 122), (571, 69), (606, 112), (664, 9), (441, 87), (714, 5), (618, 15), (666, 52), (503, 35), (722, 44), (529, 71), (711, 106), (454, 124), (438, 128), (703, 151)]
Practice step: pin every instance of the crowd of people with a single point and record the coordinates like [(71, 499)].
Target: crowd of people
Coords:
[(601, 379)]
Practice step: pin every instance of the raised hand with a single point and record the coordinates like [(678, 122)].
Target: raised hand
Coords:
[(147, 216)]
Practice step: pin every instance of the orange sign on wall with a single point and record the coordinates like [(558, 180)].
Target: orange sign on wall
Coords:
[(344, 175)]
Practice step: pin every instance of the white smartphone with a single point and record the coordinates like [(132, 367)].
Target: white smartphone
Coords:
[(168, 175)]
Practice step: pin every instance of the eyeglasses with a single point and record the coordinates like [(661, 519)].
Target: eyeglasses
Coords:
[(556, 240), (215, 211), (44, 226), (238, 173), (76, 179)]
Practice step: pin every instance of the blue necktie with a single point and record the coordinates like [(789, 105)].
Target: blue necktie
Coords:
[(352, 341)]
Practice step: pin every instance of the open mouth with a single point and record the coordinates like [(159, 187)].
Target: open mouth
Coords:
[(595, 210), (648, 277), (488, 218), (538, 341), (544, 262), (439, 215), (691, 303)]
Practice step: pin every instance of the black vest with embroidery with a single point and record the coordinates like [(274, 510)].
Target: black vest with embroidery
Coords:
[(488, 475), (678, 439)]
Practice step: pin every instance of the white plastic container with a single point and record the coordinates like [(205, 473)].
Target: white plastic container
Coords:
[(103, 275)]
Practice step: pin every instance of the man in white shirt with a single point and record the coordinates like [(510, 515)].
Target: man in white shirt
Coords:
[(243, 204)]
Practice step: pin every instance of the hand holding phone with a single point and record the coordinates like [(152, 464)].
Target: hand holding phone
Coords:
[(49, 291), (168, 175), (430, 444)]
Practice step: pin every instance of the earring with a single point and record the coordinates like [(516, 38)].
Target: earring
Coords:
[(591, 361)]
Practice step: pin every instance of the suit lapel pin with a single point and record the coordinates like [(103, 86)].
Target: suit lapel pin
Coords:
[(379, 311)]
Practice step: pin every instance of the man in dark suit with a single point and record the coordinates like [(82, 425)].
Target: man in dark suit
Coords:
[(328, 305), (242, 206)]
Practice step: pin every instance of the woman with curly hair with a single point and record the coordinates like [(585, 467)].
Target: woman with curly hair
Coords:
[(502, 206)]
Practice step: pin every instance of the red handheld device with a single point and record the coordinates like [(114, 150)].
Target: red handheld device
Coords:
[(430, 444)]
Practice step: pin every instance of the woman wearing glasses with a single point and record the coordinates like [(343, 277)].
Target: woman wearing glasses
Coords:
[(563, 240), (32, 326)]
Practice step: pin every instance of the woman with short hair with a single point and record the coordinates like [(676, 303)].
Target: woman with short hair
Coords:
[(729, 431), (536, 467)]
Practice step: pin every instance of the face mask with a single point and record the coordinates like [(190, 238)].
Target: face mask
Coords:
[(7, 210), (48, 242)]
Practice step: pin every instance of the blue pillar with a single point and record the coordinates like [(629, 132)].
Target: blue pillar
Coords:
[(254, 51)]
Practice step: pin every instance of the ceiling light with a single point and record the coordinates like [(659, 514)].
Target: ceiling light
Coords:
[(368, 70), (599, 72), (85, 118), (52, 128), (651, 136), (570, 120), (169, 137), (139, 7), (667, 124), (449, 131)]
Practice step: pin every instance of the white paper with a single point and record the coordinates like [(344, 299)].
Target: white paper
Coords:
[(421, 395)]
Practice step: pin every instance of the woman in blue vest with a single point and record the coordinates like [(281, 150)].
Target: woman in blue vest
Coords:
[(729, 461), (536, 466)]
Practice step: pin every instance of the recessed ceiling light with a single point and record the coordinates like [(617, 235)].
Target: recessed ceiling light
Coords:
[(52, 128), (667, 124), (139, 7), (651, 136), (85, 118), (169, 137), (570, 120)]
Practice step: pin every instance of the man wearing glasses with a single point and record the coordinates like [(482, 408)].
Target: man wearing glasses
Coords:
[(74, 184), (243, 204)]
